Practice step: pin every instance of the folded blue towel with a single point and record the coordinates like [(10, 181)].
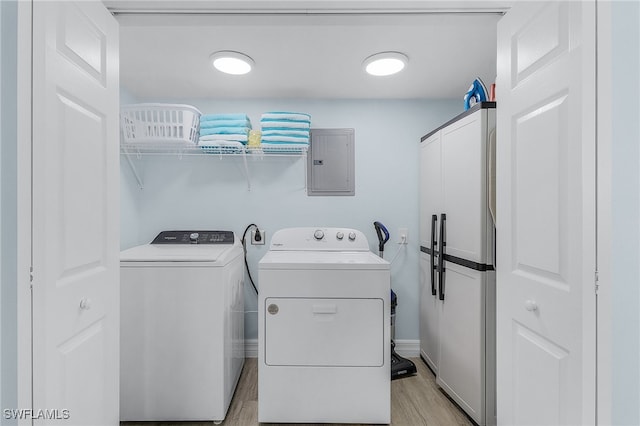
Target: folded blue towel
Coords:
[(225, 123), (213, 117), (224, 131), (285, 132), (282, 120), (295, 139), (284, 125), (286, 115)]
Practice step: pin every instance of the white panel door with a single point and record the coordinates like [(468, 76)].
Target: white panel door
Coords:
[(75, 216), (546, 214)]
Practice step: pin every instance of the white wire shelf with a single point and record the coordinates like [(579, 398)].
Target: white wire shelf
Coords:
[(137, 150), (185, 148)]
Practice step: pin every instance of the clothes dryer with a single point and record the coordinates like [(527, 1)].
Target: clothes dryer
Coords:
[(323, 329), (182, 326)]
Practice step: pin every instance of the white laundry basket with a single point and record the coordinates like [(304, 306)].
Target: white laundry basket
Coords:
[(161, 123)]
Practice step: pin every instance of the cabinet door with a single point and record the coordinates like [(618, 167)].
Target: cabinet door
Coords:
[(464, 183), (430, 185), (461, 369), (429, 314)]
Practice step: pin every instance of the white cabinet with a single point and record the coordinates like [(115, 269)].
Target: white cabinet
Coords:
[(461, 369), (457, 281), (430, 185), (429, 315)]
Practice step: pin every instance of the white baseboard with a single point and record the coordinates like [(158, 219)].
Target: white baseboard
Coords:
[(251, 348), (408, 348), (404, 348)]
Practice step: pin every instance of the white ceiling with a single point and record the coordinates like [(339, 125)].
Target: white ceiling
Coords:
[(311, 53)]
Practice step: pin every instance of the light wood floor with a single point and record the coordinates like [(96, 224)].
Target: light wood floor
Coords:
[(415, 401)]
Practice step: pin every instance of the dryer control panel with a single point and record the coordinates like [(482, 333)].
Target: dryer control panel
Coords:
[(320, 239), (194, 237)]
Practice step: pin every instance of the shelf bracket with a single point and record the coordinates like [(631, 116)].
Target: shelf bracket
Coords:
[(127, 155), (246, 171)]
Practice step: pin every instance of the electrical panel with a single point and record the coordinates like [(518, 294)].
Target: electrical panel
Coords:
[(331, 162)]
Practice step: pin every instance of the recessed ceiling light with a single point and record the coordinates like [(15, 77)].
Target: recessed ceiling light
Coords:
[(231, 62), (385, 63)]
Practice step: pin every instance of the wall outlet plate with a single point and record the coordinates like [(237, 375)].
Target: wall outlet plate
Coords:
[(401, 232), (263, 237)]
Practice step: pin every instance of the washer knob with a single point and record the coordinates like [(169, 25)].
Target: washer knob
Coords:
[(352, 236), (194, 237), (318, 235), (340, 235)]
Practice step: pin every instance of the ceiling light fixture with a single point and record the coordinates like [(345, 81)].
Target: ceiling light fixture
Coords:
[(230, 62), (385, 63)]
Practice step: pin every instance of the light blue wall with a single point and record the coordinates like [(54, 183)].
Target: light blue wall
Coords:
[(211, 192), (129, 195), (8, 213), (626, 213)]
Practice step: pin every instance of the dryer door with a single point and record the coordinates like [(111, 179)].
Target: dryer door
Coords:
[(324, 332)]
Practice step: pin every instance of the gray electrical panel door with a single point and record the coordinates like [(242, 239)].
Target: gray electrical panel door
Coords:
[(331, 157)]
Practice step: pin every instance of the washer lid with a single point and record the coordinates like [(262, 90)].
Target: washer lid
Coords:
[(322, 260), (181, 253)]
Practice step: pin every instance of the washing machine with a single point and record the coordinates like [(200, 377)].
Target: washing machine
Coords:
[(182, 326), (323, 329)]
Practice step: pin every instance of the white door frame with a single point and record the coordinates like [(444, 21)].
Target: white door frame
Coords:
[(24, 349), (603, 209), (24, 243), (604, 213)]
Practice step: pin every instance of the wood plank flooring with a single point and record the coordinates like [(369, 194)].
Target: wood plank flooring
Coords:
[(415, 401)]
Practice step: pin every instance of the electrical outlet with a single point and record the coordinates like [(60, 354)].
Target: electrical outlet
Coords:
[(260, 240), (403, 232)]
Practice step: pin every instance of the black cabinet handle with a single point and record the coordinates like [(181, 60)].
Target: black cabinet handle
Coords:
[(442, 243), (434, 219)]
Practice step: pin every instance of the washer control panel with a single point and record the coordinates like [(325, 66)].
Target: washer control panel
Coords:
[(194, 237)]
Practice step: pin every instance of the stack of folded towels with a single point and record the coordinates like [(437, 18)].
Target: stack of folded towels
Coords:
[(224, 133), (285, 131)]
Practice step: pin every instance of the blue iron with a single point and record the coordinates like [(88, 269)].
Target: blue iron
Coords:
[(477, 93)]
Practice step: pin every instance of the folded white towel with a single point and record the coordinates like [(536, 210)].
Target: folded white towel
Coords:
[(238, 138), (221, 147), (283, 148)]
